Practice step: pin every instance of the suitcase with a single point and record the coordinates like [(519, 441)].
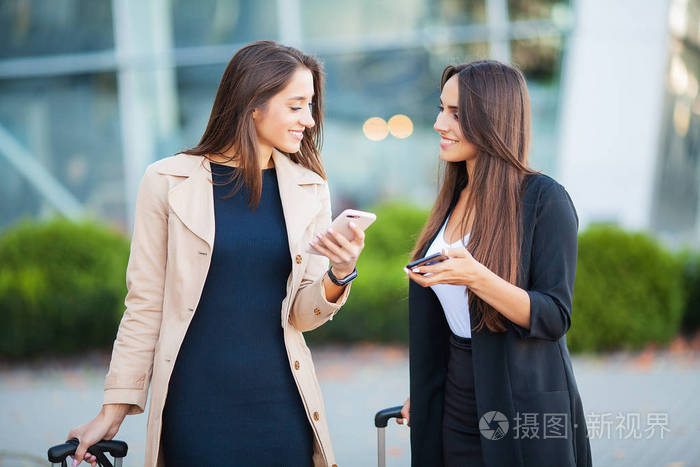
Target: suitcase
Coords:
[(380, 421), (117, 449)]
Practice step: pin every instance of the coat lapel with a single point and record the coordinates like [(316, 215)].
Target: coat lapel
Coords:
[(192, 199), (300, 202)]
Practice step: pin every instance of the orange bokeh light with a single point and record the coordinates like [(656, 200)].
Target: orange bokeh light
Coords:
[(375, 129), (400, 126)]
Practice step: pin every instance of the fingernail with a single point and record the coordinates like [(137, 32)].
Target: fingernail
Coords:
[(75, 462), (416, 270), (406, 270), (352, 224), (331, 230)]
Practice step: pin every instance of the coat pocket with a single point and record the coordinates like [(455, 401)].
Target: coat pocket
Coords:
[(542, 425)]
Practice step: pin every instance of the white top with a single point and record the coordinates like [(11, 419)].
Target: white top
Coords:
[(453, 298)]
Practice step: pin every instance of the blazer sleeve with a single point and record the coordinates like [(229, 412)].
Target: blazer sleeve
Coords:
[(310, 308), (552, 266), (130, 369)]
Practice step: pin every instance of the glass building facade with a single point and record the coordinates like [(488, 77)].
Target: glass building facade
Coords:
[(92, 91), (676, 209)]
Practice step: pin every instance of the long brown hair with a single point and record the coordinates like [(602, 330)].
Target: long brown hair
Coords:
[(494, 116), (257, 72)]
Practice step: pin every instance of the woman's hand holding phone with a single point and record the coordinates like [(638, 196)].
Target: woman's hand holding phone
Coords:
[(342, 252), (344, 240), (458, 268)]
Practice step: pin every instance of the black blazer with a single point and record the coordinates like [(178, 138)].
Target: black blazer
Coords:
[(519, 371)]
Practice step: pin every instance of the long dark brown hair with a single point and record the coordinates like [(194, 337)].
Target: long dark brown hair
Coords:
[(257, 72), (494, 116)]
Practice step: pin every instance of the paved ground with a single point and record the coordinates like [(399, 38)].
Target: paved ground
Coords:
[(626, 396)]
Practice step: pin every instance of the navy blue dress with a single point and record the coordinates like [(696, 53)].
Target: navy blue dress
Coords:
[(232, 399)]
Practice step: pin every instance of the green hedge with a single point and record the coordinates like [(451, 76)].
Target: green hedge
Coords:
[(61, 287), (629, 291), (691, 282), (377, 309)]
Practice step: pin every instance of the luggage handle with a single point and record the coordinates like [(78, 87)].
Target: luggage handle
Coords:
[(384, 415), (117, 449), (380, 421)]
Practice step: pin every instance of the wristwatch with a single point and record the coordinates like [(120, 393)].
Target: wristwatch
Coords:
[(344, 280)]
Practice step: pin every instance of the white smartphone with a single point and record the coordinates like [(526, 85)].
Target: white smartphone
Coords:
[(341, 224)]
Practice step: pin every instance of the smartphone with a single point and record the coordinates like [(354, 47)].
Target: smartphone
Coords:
[(341, 224), (427, 261)]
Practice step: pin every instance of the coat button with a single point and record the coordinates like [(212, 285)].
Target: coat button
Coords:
[(296, 365), (317, 417), (317, 311), (298, 259)]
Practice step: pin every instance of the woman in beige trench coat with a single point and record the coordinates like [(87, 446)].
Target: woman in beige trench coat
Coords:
[(267, 114)]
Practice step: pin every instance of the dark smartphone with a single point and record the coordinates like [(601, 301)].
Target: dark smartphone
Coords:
[(428, 260)]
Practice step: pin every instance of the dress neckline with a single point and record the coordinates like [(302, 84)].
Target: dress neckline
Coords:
[(442, 234)]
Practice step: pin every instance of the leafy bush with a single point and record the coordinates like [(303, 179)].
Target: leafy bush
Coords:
[(691, 282), (628, 291), (62, 287), (377, 309)]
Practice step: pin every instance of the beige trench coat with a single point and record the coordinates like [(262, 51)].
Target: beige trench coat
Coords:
[(170, 256)]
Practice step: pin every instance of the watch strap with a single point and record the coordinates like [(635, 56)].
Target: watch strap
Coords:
[(344, 280)]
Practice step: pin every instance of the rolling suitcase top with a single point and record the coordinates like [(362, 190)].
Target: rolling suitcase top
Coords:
[(57, 454), (380, 421)]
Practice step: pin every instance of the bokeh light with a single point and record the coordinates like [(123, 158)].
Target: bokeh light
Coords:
[(678, 76), (400, 126), (375, 129), (681, 118)]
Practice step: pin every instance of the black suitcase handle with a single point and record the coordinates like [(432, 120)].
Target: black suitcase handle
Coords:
[(384, 415), (117, 449)]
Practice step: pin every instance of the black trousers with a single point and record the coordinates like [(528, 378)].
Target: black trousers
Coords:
[(461, 440)]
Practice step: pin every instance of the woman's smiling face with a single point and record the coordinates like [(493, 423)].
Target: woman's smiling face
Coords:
[(282, 121), (453, 146)]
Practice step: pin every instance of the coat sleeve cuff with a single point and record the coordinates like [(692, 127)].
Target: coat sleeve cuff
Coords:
[(311, 307), (521, 331), (333, 307), (324, 309), (540, 328), (135, 397)]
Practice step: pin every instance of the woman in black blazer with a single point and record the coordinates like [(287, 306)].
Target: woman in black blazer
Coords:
[(491, 381)]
